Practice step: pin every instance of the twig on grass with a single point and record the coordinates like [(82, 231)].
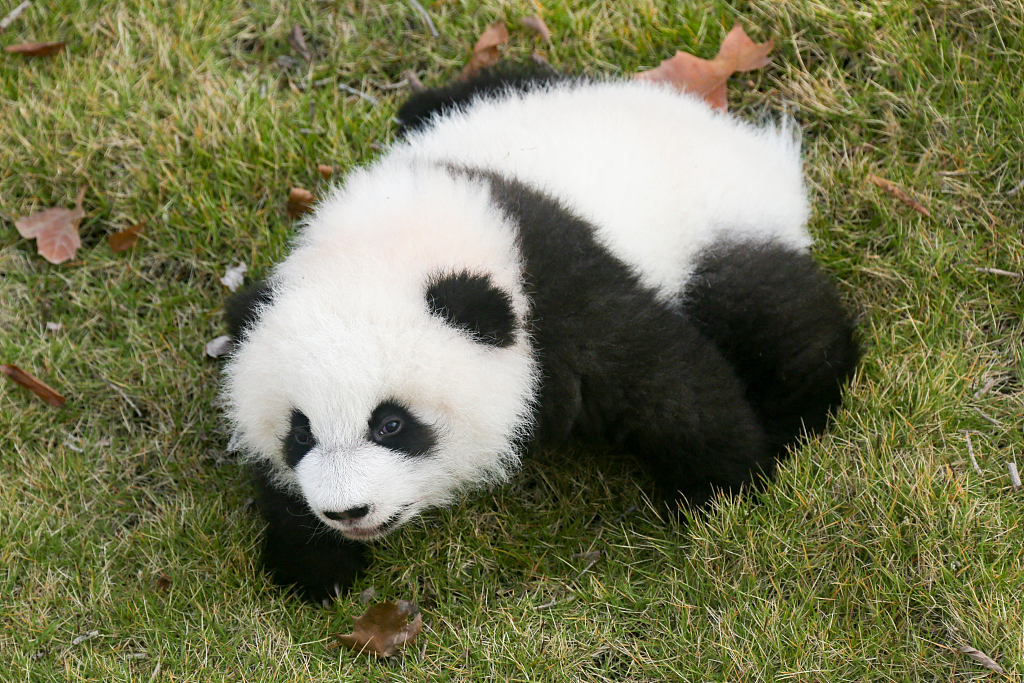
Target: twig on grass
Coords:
[(970, 452), (994, 421), (552, 603), (84, 637), (13, 14), (899, 193), (1014, 475), (426, 17), (349, 89), (999, 271), (415, 84), (991, 382)]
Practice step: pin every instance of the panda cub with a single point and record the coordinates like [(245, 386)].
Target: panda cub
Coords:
[(537, 259)]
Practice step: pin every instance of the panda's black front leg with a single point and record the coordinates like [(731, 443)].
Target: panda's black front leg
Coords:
[(299, 550), (666, 394)]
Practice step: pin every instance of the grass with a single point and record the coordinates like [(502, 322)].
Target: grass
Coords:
[(877, 552)]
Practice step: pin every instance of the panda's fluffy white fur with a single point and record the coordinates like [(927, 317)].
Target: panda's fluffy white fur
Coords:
[(536, 258)]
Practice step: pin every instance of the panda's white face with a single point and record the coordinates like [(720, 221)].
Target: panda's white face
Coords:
[(368, 382)]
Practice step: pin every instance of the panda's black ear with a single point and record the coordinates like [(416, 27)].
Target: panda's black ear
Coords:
[(472, 303), (241, 308)]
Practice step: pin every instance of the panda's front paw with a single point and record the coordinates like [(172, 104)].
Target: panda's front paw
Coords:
[(320, 569), (299, 551)]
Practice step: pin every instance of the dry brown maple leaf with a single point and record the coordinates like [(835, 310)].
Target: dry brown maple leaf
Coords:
[(55, 230), (708, 78), (300, 201), (35, 49), (383, 629), (23, 379), (485, 52), (125, 239)]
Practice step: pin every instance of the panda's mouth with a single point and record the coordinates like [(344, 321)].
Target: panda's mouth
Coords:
[(377, 531)]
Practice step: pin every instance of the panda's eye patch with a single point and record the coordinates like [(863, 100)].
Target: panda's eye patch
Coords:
[(299, 440), (393, 426)]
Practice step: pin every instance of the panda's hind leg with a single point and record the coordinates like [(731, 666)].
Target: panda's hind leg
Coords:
[(417, 111), (779, 322)]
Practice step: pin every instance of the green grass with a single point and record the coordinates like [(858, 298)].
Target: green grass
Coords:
[(877, 552)]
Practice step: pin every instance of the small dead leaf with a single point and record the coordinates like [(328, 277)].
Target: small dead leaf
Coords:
[(485, 52), (980, 657), (298, 43), (35, 49), (234, 277), (300, 201), (55, 230), (23, 379), (218, 346), (708, 78), (383, 629), (900, 194), (163, 582), (538, 25), (125, 239), (325, 171), (367, 595)]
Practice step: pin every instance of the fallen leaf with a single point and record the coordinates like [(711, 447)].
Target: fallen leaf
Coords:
[(367, 595), (125, 239), (53, 327), (485, 52), (234, 277), (708, 78), (298, 43), (325, 171), (538, 25), (980, 657), (163, 582), (383, 629), (900, 194), (300, 201), (55, 230), (35, 49), (218, 346), (23, 379)]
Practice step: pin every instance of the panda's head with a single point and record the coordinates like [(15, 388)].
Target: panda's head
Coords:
[(389, 368)]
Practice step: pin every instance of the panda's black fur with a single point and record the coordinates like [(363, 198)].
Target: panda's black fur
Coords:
[(708, 389)]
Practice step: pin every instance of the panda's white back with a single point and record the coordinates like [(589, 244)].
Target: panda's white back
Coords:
[(660, 175)]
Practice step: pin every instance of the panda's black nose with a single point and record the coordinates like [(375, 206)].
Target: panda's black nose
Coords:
[(351, 513)]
